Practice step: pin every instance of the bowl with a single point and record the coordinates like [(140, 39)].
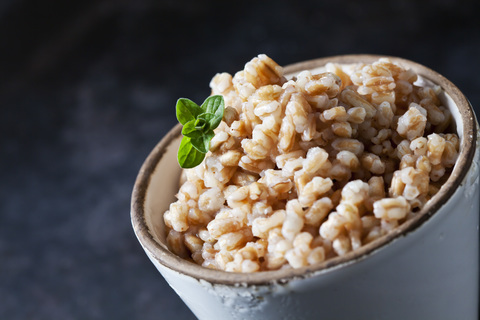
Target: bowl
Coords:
[(427, 268)]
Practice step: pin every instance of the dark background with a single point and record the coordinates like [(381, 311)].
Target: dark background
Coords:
[(87, 88)]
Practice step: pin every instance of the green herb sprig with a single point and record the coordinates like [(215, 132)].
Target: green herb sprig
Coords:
[(198, 125)]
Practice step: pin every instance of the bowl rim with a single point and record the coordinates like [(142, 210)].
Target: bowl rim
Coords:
[(171, 261)]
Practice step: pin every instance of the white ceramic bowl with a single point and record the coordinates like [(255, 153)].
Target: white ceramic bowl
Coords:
[(425, 269)]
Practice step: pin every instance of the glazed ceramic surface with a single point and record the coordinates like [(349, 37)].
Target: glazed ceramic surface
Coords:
[(425, 269)]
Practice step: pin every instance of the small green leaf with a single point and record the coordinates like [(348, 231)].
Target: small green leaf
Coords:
[(202, 143), (189, 130), (187, 110), (201, 124), (216, 106), (188, 156), (212, 120), (198, 124)]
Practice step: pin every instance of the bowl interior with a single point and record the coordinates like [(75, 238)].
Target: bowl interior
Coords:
[(158, 182), (161, 192)]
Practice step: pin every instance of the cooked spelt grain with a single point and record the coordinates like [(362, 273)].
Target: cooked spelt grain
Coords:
[(305, 169)]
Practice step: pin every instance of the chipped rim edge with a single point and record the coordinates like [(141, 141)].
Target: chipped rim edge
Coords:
[(179, 265)]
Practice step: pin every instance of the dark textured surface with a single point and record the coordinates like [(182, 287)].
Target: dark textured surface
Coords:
[(87, 89)]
